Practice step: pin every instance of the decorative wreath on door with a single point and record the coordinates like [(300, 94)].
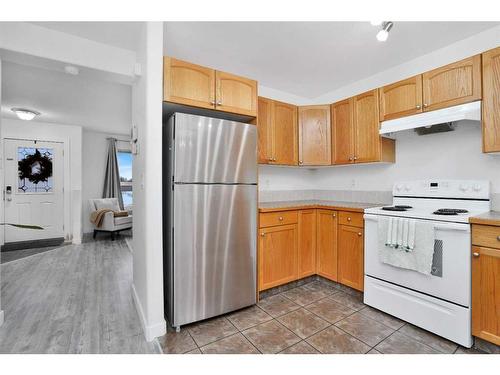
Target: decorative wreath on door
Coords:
[(35, 167)]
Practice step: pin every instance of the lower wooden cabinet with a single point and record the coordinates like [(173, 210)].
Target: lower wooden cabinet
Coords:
[(327, 244), (351, 256), (294, 244), (307, 243), (277, 255), (486, 293)]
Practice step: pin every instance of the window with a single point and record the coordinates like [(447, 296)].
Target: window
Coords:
[(125, 168)]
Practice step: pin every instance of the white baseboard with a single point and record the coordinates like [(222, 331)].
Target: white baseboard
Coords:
[(151, 331), (1, 317)]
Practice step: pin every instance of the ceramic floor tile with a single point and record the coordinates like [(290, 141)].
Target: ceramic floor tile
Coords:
[(429, 339), (300, 348), (178, 342), (303, 323), (236, 344), (399, 343), (374, 351), (304, 295), (382, 317), (335, 341), (277, 305), (211, 330), (462, 350), (330, 310), (248, 317), (353, 302), (194, 351), (324, 287), (365, 329), (271, 337)]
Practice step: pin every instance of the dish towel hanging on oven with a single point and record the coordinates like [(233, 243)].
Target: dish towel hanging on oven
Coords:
[(406, 243)]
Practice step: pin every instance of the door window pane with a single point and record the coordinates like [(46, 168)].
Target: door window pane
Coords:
[(125, 167), (34, 170)]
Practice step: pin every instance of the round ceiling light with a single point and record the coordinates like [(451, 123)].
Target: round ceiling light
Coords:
[(25, 114)]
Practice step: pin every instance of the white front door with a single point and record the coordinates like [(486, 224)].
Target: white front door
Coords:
[(33, 190)]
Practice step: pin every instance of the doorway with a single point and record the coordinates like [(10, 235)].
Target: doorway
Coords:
[(33, 193)]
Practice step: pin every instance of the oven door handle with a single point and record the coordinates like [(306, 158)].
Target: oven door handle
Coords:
[(442, 227)]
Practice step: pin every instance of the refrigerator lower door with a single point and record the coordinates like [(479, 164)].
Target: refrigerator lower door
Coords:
[(214, 255)]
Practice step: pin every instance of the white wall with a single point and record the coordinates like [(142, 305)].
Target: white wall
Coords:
[(273, 177), (94, 155), (71, 136), (1, 187), (452, 155), (147, 245)]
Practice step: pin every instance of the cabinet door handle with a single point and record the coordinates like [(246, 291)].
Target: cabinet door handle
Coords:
[(418, 106), (300, 161), (212, 102), (219, 103), (498, 238), (350, 158), (262, 234), (270, 159), (360, 234), (425, 105), (349, 219), (476, 255), (334, 215), (355, 158), (281, 218)]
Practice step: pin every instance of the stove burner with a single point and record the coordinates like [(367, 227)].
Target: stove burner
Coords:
[(450, 211), (403, 206), (394, 208)]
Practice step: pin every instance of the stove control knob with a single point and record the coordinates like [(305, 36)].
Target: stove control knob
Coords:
[(407, 187), (477, 187), (399, 187), (464, 187)]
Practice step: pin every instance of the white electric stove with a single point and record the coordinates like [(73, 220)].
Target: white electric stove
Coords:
[(439, 302)]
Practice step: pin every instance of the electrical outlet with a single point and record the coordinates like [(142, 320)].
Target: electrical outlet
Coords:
[(353, 183)]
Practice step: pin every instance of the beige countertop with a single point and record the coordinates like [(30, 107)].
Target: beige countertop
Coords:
[(304, 204), (488, 218)]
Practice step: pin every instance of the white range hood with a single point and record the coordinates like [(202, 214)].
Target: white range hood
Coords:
[(469, 111)]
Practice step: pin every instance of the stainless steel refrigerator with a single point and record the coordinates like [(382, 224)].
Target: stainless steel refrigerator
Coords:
[(210, 217)]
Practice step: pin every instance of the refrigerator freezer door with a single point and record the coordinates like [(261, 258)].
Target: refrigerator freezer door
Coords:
[(215, 250), (209, 150)]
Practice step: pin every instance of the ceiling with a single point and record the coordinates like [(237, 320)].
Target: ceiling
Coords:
[(308, 59), (65, 99), (118, 34)]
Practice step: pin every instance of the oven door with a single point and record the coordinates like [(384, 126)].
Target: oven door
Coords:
[(451, 269)]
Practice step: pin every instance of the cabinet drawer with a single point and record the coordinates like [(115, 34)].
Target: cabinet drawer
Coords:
[(354, 219), (485, 235), (270, 219)]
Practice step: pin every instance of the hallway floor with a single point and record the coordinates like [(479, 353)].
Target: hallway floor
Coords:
[(313, 318), (74, 299)]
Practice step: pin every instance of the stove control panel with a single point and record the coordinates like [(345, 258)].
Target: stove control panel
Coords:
[(468, 189)]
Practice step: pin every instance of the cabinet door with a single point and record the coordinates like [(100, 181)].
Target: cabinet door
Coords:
[(327, 244), (264, 130), (367, 142), (277, 255), (452, 84), (236, 94), (400, 99), (486, 293), (307, 243), (315, 135), (491, 101), (351, 262), (284, 134), (342, 132), (186, 83)]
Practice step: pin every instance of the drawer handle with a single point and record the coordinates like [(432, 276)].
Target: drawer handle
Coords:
[(498, 238), (348, 219), (334, 215), (475, 255), (281, 218)]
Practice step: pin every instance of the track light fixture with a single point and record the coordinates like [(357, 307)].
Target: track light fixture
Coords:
[(383, 34)]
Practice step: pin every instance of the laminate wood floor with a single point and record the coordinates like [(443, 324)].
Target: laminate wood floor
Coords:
[(74, 299)]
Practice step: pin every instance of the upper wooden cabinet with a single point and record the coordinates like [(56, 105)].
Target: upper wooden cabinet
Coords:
[(452, 84), (307, 243), (264, 130), (236, 94), (400, 99), (277, 127), (342, 132), (314, 135), (491, 101), (187, 83), (355, 131), (199, 86)]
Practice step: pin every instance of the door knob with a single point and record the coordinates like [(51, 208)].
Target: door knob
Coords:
[(475, 255)]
